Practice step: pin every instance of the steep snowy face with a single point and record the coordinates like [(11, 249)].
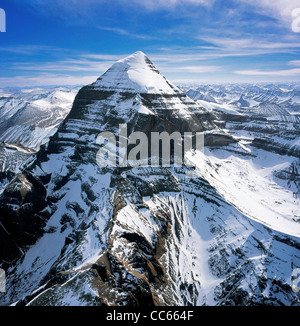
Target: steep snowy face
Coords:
[(136, 73)]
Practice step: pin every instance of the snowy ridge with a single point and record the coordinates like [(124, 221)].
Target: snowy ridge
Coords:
[(29, 117), (257, 194), (135, 73)]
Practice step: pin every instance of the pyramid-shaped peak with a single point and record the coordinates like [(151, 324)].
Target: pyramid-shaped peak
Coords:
[(136, 58), (135, 73)]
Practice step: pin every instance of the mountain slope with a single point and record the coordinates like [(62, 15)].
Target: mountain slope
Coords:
[(29, 117), (72, 233)]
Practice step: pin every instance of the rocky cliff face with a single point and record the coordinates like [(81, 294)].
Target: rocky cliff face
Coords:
[(72, 233)]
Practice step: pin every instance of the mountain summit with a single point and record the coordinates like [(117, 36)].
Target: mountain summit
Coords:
[(136, 73), (131, 92)]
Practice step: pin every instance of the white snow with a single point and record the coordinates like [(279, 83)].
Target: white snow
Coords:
[(248, 184), (135, 74), (226, 108)]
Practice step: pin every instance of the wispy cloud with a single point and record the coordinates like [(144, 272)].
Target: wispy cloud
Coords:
[(170, 67), (180, 61), (123, 31), (99, 63), (279, 9), (52, 73), (226, 46), (148, 4), (220, 48), (277, 72), (74, 65), (193, 69), (185, 38), (91, 8), (294, 62), (32, 49), (282, 73), (99, 56), (159, 4), (46, 80)]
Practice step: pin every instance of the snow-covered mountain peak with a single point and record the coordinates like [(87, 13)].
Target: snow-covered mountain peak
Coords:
[(137, 58), (135, 73), (133, 85)]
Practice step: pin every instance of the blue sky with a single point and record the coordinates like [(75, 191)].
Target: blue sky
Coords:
[(59, 42)]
